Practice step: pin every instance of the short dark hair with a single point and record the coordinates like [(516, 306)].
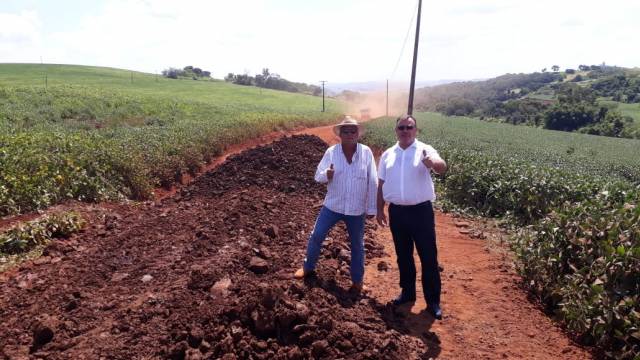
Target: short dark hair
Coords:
[(406, 117)]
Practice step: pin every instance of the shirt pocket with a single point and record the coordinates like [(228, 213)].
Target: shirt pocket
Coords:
[(360, 175)]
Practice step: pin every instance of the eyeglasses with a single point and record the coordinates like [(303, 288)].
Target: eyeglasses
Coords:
[(348, 131), (405, 127)]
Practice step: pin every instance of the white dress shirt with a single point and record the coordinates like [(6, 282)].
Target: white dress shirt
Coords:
[(406, 180), (352, 191)]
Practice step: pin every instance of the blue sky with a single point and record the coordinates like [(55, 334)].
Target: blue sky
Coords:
[(312, 40)]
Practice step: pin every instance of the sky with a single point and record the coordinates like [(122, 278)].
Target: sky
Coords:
[(339, 41)]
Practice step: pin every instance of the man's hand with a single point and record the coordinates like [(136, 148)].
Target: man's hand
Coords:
[(382, 219), (330, 172), (426, 160)]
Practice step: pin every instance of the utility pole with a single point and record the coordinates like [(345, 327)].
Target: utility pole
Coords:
[(323, 81), (415, 59)]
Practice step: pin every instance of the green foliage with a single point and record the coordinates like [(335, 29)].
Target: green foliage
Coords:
[(527, 111), (25, 237), (583, 260), (569, 116), (273, 81), (189, 72), (577, 110), (625, 87), (480, 94), (101, 137), (542, 99), (578, 197)]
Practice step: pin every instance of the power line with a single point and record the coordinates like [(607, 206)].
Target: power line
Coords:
[(413, 16)]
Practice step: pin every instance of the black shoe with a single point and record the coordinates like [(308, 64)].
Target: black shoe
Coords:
[(435, 311), (403, 298)]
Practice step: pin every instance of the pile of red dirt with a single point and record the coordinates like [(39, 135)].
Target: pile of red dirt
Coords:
[(205, 274)]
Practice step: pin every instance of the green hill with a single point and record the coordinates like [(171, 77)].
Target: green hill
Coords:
[(93, 133), (558, 101)]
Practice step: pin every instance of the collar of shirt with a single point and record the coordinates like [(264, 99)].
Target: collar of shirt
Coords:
[(354, 158), (414, 144)]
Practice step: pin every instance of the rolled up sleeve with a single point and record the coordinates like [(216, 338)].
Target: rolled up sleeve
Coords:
[(323, 166)]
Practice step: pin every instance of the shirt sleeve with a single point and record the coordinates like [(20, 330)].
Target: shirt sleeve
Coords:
[(382, 171), (323, 166), (431, 151), (372, 188)]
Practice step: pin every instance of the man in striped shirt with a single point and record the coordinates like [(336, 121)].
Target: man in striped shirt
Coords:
[(406, 184), (349, 170)]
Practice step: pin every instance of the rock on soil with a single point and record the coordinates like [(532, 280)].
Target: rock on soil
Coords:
[(221, 256)]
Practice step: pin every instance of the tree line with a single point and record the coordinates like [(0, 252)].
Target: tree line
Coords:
[(551, 100), (188, 72), (270, 80)]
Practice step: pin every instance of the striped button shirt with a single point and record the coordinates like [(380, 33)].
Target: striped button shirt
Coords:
[(406, 180), (352, 191)]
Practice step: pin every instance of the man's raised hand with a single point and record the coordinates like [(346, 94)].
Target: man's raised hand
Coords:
[(330, 172), (426, 160)]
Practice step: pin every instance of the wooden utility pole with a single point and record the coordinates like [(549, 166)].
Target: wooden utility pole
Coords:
[(415, 59), (323, 81)]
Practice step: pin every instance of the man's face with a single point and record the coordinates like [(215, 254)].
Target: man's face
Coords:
[(349, 134), (406, 131)]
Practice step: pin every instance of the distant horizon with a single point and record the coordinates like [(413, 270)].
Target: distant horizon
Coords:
[(333, 88)]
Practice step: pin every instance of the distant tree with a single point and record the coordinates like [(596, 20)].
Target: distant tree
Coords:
[(574, 94), (459, 107), (583, 67), (578, 78), (206, 73), (569, 117), (243, 79), (570, 71), (555, 68), (188, 68), (544, 70), (230, 77), (172, 73)]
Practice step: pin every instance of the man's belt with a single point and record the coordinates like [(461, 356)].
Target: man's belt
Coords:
[(410, 206)]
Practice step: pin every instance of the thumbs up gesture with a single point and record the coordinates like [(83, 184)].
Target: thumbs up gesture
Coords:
[(426, 160), (330, 172)]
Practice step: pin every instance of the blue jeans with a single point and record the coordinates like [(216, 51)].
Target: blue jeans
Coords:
[(355, 227)]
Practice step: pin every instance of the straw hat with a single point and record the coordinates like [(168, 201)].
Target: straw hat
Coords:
[(347, 121)]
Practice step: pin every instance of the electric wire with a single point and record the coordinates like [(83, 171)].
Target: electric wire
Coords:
[(405, 42)]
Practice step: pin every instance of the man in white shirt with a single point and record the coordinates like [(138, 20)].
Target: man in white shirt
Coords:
[(349, 170), (405, 183)]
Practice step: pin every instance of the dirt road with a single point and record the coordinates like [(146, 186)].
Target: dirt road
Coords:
[(487, 315), (205, 272)]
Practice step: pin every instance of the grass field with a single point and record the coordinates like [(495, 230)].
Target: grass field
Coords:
[(92, 133)]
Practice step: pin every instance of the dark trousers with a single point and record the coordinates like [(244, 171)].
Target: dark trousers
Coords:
[(416, 224)]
